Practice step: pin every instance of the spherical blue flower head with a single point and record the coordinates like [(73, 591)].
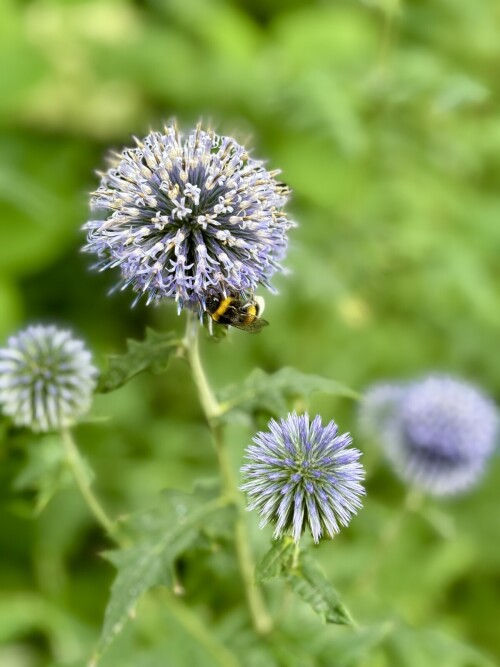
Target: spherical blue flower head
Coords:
[(301, 473), (187, 217), (46, 378), (438, 433)]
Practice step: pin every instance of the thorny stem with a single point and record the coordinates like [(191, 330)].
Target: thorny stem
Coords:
[(81, 477), (212, 409)]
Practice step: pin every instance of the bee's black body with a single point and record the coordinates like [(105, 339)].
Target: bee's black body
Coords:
[(235, 312)]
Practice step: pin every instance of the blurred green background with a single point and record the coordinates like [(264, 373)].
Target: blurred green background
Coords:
[(384, 118)]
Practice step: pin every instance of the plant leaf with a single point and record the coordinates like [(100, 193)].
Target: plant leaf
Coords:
[(272, 392), (277, 560), (159, 537), (305, 578), (308, 581), (152, 354)]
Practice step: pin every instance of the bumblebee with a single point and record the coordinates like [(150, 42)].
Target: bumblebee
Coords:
[(237, 312)]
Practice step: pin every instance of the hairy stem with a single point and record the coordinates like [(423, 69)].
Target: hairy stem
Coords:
[(82, 480), (261, 620)]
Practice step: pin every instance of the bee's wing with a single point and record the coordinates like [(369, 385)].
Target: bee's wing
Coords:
[(253, 327)]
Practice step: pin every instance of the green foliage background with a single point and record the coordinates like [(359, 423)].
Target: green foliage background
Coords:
[(384, 118)]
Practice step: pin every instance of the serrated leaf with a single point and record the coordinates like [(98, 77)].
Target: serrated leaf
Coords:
[(276, 562), (309, 583), (272, 392), (305, 578), (46, 471), (160, 536), (152, 354)]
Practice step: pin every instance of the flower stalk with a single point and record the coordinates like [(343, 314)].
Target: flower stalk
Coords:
[(412, 504), (179, 610), (81, 478), (212, 410)]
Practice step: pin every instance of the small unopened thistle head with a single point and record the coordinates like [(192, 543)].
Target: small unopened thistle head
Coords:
[(46, 378), (303, 474), (184, 217), (437, 432)]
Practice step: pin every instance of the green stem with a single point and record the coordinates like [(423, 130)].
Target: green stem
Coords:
[(182, 613), (387, 34), (209, 403), (296, 555), (81, 477), (192, 624), (412, 503), (261, 620)]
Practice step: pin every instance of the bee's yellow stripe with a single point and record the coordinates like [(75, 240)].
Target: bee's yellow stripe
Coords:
[(222, 307), (251, 314)]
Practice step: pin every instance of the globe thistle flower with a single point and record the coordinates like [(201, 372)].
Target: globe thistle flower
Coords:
[(46, 378), (301, 473), (187, 217), (438, 432)]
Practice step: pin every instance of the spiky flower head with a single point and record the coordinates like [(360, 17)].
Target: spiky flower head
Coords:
[(46, 378), (437, 432), (303, 474), (187, 217)]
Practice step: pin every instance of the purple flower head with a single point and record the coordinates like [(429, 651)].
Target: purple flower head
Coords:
[(301, 473), (438, 432), (185, 217), (46, 378)]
